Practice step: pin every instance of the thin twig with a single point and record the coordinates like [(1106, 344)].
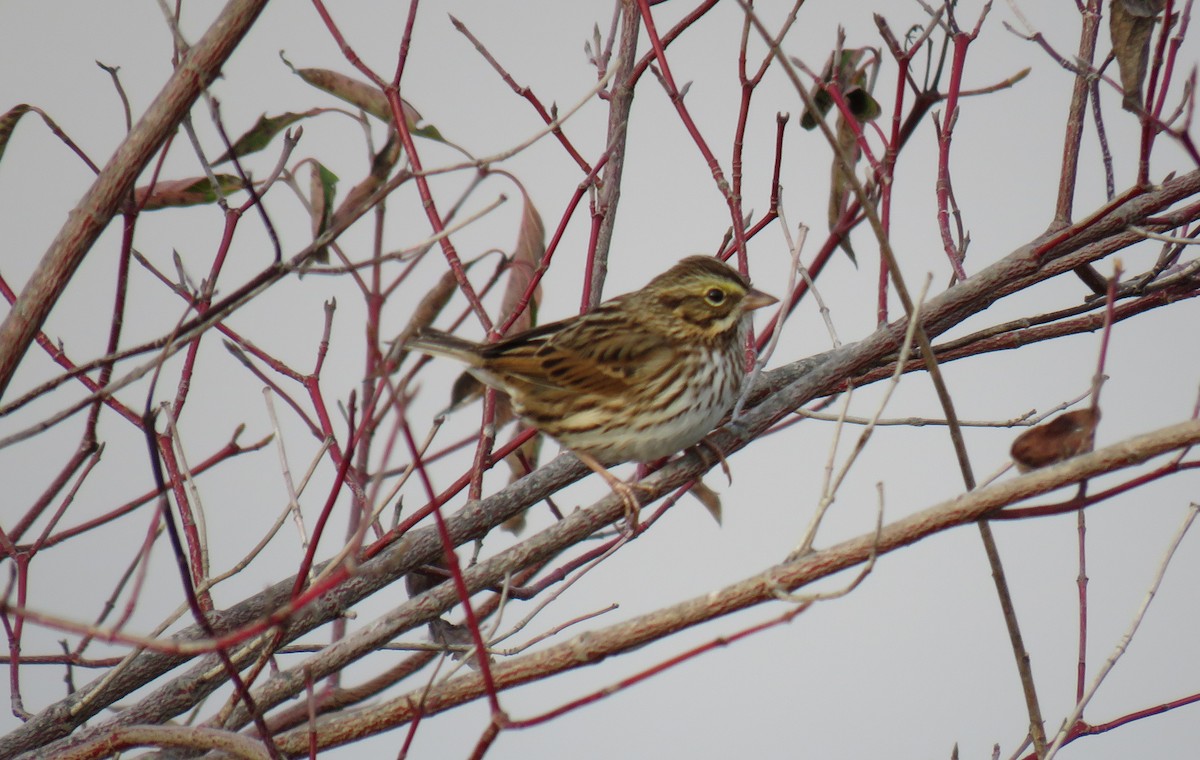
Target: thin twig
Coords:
[(1123, 644)]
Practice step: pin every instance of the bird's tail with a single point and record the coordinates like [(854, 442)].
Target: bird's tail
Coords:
[(438, 343)]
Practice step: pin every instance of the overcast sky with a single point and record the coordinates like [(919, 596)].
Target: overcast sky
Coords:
[(913, 661)]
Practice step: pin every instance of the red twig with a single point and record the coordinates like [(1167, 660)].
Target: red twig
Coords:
[(954, 252), (449, 493), (660, 667), (552, 245), (339, 480), (392, 92), (1153, 104), (527, 94), (460, 586), (668, 79)]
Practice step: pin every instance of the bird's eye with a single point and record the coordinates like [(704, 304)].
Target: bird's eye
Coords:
[(715, 296)]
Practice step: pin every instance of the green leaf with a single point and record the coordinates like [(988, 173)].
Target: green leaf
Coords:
[(850, 75), (823, 103), (322, 189), (864, 107), (262, 133)]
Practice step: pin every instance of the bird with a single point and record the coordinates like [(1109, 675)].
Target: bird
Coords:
[(642, 376)]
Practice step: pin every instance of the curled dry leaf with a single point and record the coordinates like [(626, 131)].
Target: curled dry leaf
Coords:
[(854, 78), (8, 122), (441, 631), (530, 451), (466, 389), (840, 187), (354, 91), (367, 97), (427, 310), (709, 498), (521, 268), (381, 167), (454, 637), (1130, 24), (853, 74), (192, 191), (1063, 437), (526, 258)]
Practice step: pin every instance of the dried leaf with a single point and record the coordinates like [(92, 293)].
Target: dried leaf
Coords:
[(515, 524), (527, 256), (1061, 438), (192, 191), (1130, 25), (441, 631), (840, 188), (367, 97), (427, 310), (466, 388), (423, 579), (709, 498), (355, 92), (381, 167), (447, 634), (8, 122), (532, 452), (852, 74)]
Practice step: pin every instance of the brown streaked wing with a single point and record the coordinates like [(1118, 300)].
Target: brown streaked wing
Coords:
[(594, 355)]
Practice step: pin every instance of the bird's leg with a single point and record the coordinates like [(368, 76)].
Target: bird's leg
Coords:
[(618, 486), (707, 445)]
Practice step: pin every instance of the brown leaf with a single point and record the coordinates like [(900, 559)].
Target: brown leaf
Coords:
[(446, 634), (381, 167), (184, 192), (466, 388), (527, 256), (531, 450), (8, 122), (515, 524), (852, 74), (1058, 440), (1130, 24), (368, 97), (354, 91), (427, 310), (840, 188), (709, 498)]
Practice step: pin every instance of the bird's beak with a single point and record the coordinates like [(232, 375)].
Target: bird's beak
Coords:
[(756, 299)]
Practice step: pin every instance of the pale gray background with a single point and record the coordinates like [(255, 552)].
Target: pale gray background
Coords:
[(913, 661)]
